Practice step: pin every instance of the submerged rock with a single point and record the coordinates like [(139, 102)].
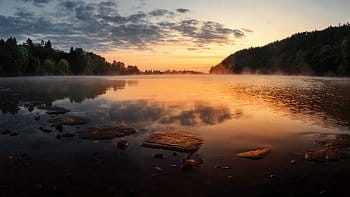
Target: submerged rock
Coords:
[(123, 144), (14, 133), (59, 128), (158, 169), (68, 135), (69, 121), (159, 156), (174, 140), (6, 132), (55, 110), (45, 130), (108, 132), (19, 160), (189, 165), (331, 149), (255, 154)]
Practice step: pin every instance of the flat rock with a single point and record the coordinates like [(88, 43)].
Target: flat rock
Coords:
[(173, 140), (255, 154), (108, 132), (69, 121), (330, 149), (55, 110)]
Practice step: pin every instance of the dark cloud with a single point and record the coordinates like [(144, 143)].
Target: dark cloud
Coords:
[(182, 10), (23, 13), (161, 12), (70, 5), (206, 32), (100, 26), (37, 2)]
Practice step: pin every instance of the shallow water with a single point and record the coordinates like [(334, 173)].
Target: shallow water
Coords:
[(231, 113)]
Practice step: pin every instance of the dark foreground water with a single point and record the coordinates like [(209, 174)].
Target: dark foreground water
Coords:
[(231, 113)]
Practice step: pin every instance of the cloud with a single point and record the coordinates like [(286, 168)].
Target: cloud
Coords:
[(37, 2), (100, 26), (182, 10), (161, 12), (247, 30)]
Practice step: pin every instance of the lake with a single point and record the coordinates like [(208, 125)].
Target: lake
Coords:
[(231, 113)]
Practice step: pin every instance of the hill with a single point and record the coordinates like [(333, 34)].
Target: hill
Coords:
[(321, 53)]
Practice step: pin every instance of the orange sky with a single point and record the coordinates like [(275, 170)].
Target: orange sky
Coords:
[(171, 34)]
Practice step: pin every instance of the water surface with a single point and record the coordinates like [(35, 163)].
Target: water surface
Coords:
[(231, 113)]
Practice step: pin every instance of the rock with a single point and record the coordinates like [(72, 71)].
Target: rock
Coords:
[(154, 175), (255, 154), (55, 110), (327, 154), (69, 121), (159, 156), (68, 135), (108, 132), (59, 128), (189, 165), (45, 130), (14, 133), (158, 169), (188, 156), (6, 132), (331, 149), (173, 140), (123, 144), (16, 160), (38, 187), (324, 193), (37, 118)]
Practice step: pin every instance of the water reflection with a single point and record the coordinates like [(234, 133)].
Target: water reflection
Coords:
[(151, 113), (319, 101), (15, 91), (232, 114)]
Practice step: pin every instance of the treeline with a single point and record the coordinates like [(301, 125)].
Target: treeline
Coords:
[(170, 72), (41, 59), (318, 53)]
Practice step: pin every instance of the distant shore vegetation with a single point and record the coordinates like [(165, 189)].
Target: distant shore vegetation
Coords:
[(41, 59)]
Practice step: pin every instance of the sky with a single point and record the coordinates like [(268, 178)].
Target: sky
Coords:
[(166, 34)]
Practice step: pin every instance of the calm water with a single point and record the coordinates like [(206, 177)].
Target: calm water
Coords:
[(231, 113)]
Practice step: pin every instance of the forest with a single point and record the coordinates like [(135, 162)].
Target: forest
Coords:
[(41, 59), (319, 53)]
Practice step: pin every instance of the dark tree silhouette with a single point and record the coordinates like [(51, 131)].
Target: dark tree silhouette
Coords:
[(319, 53), (41, 59)]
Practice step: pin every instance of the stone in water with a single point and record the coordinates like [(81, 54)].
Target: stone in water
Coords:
[(108, 132), (255, 154), (174, 140)]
